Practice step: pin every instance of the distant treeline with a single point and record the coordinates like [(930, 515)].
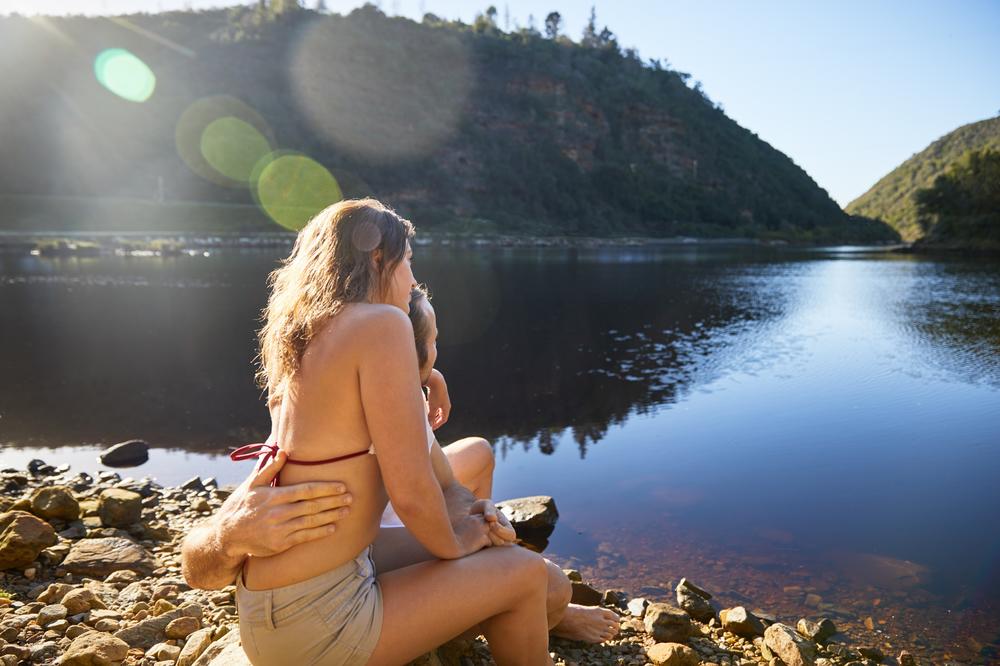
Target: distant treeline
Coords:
[(476, 127)]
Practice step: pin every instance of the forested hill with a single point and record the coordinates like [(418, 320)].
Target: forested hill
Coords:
[(461, 127), (892, 199)]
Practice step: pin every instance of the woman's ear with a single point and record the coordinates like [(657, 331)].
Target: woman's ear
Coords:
[(377, 258)]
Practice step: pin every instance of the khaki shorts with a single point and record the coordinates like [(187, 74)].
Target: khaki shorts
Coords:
[(333, 618)]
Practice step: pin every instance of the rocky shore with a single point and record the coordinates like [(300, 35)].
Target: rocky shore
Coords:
[(90, 575)]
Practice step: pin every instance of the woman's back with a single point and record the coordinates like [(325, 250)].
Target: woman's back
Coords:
[(321, 416)]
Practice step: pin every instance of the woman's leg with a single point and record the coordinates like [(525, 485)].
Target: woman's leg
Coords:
[(501, 589), (472, 463)]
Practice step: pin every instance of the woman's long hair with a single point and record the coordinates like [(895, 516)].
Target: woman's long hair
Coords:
[(331, 264)]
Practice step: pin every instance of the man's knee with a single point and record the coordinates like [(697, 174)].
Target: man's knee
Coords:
[(484, 453)]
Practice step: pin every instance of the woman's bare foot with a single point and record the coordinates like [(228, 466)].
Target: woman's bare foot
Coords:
[(590, 624)]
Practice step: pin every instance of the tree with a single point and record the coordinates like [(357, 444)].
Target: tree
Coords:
[(553, 22), (589, 38), (321, 6)]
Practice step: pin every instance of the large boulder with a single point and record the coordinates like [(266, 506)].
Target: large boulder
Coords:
[(55, 502), (741, 622), (694, 600), (791, 648), (94, 648), (126, 454), (530, 513), (147, 633), (99, 557), (667, 624), (22, 537), (194, 645)]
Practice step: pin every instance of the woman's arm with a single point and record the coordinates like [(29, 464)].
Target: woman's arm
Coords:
[(394, 412)]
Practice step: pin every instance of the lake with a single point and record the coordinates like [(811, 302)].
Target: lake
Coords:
[(804, 432)]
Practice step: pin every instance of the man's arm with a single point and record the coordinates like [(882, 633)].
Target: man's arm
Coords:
[(260, 520)]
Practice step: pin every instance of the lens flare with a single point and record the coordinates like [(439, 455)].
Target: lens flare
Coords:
[(222, 139), (124, 74), (291, 188), (233, 146)]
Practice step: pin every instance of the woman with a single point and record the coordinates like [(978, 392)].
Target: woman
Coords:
[(340, 368)]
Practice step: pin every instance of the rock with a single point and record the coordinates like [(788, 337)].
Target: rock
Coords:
[(692, 599), (55, 502), (164, 652), (40, 468), (906, 659), (149, 632), (637, 607), (194, 646), (49, 614), (81, 601), (160, 607), (816, 631), (672, 654), (54, 593), (95, 649), (585, 595), (573, 575), (615, 598), (873, 653), (123, 577), (22, 538), (182, 627), (792, 649), (667, 624), (76, 630), (741, 622), (100, 557), (44, 652), (530, 513), (193, 484), (126, 454), (813, 600), (226, 651), (119, 508)]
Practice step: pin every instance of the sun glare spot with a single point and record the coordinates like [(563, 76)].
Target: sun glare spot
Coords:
[(124, 74), (233, 146), (291, 188)]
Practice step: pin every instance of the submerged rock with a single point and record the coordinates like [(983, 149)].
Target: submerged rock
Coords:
[(126, 454), (816, 631)]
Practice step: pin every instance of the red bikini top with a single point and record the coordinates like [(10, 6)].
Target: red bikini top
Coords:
[(266, 452)]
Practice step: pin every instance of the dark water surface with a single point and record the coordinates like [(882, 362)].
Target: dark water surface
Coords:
[(803, 432)]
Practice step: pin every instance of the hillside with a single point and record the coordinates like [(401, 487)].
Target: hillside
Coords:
[(892, 198), (462, 128)]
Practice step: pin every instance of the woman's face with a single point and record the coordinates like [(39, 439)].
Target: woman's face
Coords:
[(402, 282), (432, 335)]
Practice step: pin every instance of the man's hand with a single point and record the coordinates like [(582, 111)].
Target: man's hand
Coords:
[(501, 531), (260, 520), (438, 400)]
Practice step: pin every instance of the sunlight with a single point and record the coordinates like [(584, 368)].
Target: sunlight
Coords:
[(291, 188), (124, 74)]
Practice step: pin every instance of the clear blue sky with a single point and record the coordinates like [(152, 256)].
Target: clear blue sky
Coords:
[(847, 89)]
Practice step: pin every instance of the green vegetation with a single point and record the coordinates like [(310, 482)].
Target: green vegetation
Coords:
[(962, 207), (468, 128), (891, 199)]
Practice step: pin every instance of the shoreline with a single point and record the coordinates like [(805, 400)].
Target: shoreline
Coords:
[(89, 244), (92, 564)]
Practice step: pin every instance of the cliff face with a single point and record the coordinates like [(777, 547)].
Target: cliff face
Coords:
[(459, 128)]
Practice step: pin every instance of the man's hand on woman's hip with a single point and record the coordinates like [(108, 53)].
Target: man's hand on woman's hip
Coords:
[(261, 520)]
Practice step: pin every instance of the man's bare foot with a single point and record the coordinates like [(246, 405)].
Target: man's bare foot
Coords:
[(590, 624)]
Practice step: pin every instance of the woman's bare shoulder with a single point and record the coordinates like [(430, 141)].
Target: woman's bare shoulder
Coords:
[(367, 324)]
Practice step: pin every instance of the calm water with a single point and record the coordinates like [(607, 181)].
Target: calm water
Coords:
[(771, 424)]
